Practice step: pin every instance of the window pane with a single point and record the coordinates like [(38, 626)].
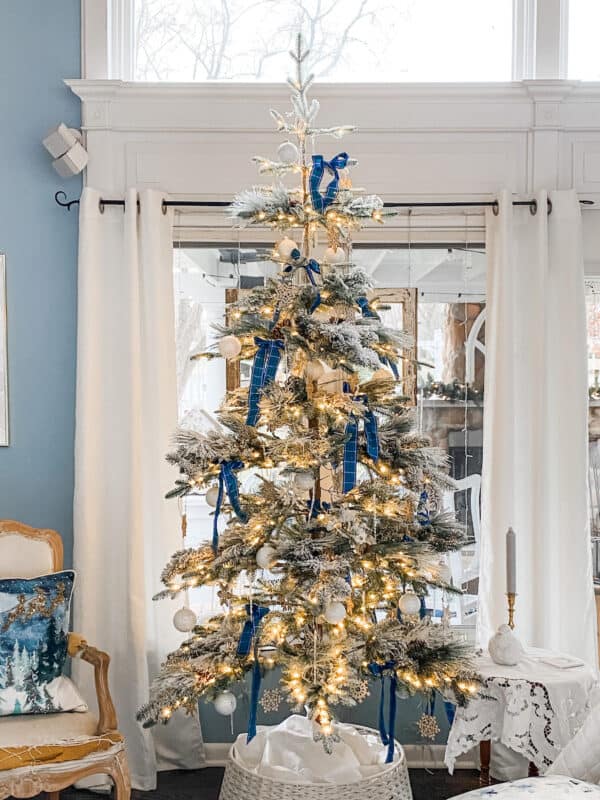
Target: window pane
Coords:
[(353, 40), (593, 328), (584, 23), (445, 288)]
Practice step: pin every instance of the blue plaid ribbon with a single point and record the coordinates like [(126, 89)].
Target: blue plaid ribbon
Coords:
[(388, 736), (350, 455), (391, 364), (319, 165), (249, 635), (311, 267), (264, 370), (350, 461), (227, 483), (371, 432), (422, 510), (365, 308)]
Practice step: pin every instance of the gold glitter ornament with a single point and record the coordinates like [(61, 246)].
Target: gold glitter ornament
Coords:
[(428, 726)]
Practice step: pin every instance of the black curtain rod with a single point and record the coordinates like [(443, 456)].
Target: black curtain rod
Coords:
[(61, 199)]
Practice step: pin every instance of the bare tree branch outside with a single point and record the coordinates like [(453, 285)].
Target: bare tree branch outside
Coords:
[(349, 40)]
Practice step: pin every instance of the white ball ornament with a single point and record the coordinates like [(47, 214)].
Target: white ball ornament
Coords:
[(334, 612), (265, 556), (332, 256), (285, 247), (287, 152), (212, 495), (185, 620), (304, 481), (225, 704), (409, 604), (230, 346), (314, 370)]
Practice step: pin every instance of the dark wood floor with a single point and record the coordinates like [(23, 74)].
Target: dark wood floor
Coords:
[(204, 785)]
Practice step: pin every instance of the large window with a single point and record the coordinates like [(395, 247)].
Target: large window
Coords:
[(584, 55), (438, 291), (350, 40)]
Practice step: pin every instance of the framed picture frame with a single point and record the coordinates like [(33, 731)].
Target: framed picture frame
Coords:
[(402, 316)]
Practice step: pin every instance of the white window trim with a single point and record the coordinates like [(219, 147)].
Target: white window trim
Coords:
[(540, 39)]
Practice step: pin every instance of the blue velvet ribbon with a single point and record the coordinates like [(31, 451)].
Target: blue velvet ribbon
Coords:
[(319, 200), (450, 709), (249, 635), (391, 364), (316, 507), (227, 483), (264, 369), (311, 267), (388, 735), (365, 308)]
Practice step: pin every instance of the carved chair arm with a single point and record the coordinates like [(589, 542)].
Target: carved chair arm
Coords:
[(79, 648)]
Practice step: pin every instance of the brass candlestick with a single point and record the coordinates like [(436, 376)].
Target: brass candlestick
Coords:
[(511, 609)]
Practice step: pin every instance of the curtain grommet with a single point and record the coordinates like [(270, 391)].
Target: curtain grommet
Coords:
[(496, 208), (164, 208), (549, 206), (533, 207), (101, 206)]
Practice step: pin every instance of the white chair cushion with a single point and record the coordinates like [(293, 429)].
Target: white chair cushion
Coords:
[(40, 729), (23, 557), (555, 787), (581, 757)]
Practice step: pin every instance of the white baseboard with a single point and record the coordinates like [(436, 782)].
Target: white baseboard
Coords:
[(419, 756)]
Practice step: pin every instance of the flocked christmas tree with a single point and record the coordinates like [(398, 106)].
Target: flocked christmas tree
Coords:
[(333, 540)]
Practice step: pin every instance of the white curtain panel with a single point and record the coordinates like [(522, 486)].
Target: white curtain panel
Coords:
[(125, 531), (535, 428)]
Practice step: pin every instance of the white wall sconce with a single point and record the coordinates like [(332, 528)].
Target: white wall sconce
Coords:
[(64, 145)]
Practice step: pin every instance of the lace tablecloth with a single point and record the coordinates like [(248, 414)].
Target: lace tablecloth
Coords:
[(532, 708)]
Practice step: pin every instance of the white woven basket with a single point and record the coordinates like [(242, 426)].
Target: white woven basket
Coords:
[(392, 783)]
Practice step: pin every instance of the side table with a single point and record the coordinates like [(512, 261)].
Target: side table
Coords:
[(533, 708)]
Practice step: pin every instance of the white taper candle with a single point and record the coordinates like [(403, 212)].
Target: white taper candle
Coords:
[(511, 562)]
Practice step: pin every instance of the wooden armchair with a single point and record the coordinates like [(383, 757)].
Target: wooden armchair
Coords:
[(48, 752)]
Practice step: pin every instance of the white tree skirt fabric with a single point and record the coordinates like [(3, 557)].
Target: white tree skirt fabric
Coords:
[(533, 708), (555, 787), (289, 753)]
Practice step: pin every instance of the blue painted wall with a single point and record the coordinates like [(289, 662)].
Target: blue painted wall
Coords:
[(39, 47)]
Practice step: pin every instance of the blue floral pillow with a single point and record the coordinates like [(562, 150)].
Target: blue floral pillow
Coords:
[(34, 629)]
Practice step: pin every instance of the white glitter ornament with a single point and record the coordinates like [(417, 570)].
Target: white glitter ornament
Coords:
[(409, 604), (270, 700), (225, 703), (211, 496), (285, 247), (314, 370), (304, 481), (332, 256), (230, 346), (428, 726), (334, 612), (185, 620), (287, 152), (265, 556)]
